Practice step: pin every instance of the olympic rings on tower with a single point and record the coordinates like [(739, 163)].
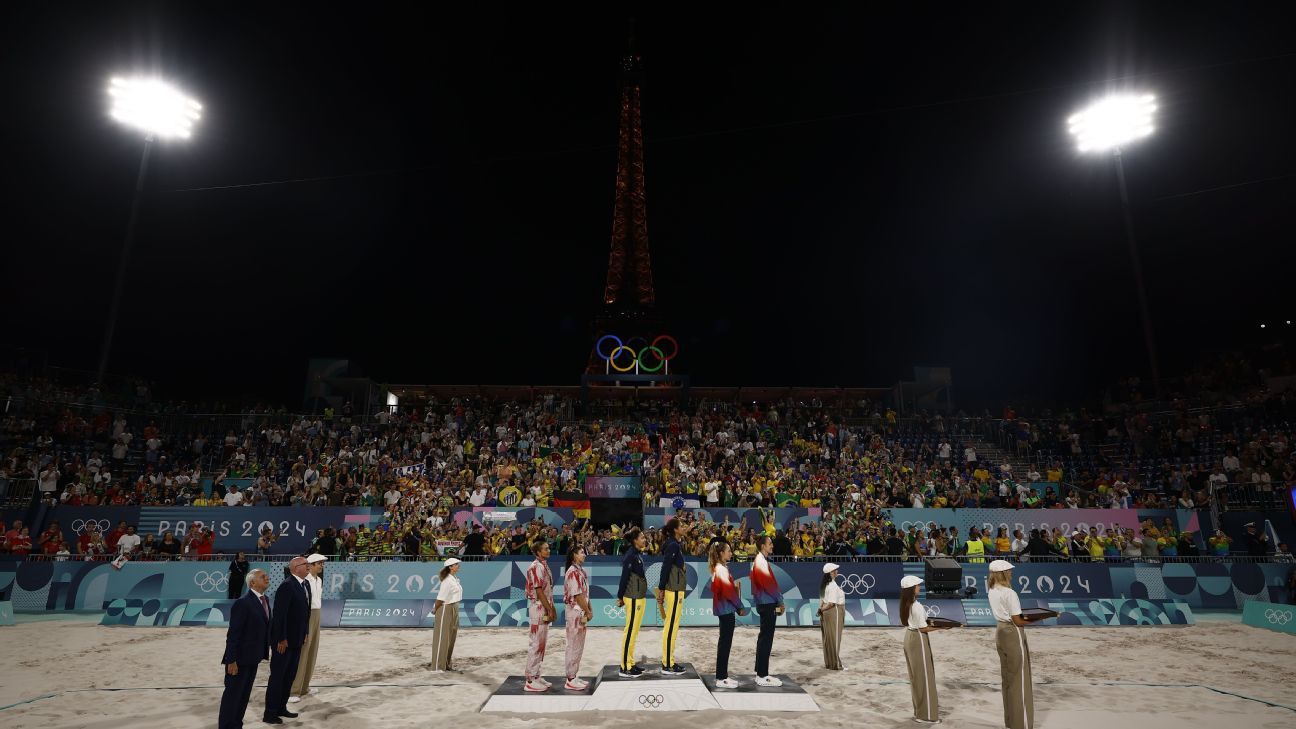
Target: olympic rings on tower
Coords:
[(623, 358)]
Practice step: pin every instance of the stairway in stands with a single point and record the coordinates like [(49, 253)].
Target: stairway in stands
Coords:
[(992, 455)]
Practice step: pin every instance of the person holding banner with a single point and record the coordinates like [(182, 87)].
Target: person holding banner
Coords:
[(832, 616), (576, 598), (446, 612), (726, 602), (918, 653), (670, 593), (632, 594), (768, 597), (1014, 652)]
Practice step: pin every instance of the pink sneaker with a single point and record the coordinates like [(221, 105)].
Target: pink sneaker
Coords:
[(575, 684)]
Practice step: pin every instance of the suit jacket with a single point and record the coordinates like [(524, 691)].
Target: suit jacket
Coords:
[(248, 639), (291, 619)]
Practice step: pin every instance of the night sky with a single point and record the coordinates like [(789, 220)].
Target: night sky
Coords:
[(834, 195)]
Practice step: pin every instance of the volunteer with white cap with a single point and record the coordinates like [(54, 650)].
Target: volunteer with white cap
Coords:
[(832, 616), (309, 651), (918, 652), (1014, 653), (446, 616)]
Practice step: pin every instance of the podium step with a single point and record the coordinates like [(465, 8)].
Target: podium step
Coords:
[(750, 697), (513, 696), (653, 691)]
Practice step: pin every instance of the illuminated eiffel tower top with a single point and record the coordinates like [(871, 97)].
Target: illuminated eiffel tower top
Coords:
[(629, 289)]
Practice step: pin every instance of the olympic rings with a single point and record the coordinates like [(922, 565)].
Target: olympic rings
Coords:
[(80, 526), (1278, 617), (211, 581), (651, 701), (856, 584), (638, 359), (932, 610), (614, 612)]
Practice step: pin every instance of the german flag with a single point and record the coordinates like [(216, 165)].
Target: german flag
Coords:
[(577, 501)]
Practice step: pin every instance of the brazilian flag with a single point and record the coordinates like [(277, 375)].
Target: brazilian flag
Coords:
[(785, 499)]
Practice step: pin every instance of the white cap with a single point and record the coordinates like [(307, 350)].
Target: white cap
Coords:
[(909, 581), (452, 561), (830, 567), (1000, 565), (316, 557)]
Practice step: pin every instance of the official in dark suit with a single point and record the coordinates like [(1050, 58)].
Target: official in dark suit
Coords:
[(288, 629), (247, 643)]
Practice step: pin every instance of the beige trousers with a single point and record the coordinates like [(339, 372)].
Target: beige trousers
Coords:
[(306, 665)]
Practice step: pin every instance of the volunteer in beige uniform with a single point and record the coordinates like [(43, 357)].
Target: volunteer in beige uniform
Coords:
[(1014, 653), (309, 651), (918, 652), (446, 612), (832, 616)]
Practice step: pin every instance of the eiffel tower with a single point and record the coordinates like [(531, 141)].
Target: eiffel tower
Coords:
[(628, 330)]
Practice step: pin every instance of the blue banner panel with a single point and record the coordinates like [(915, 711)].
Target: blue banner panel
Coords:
[(76, 520), (656, 516), (512, 515), (613, 487), (1047, 579), (237, 527), (383, 613), (1270, 616)]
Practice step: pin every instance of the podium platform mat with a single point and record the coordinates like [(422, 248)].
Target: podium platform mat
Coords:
[(513, 696), (652, 691), (750, 697)]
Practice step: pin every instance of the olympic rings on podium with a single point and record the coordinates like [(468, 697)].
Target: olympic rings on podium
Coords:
[(624, 358)]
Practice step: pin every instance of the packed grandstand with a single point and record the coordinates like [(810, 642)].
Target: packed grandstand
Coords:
[(849, 462)]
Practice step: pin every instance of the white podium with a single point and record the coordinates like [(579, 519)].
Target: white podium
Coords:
[(653, 691)]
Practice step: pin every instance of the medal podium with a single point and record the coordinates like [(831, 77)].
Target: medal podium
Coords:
[(653, 691)]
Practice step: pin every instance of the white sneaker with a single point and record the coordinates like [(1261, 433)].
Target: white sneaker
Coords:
[(927, 721), (535, 686), (543, 682), (294, 699), (768, 681), (727, 683), (575, 684)]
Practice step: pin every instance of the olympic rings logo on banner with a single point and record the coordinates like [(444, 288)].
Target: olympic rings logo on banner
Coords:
[(624, 358), (614, 612), (932, 610), (651, 701), (1278, 617), (81, 525), (211, 581), (856, 584)]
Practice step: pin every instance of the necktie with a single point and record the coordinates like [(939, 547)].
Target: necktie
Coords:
[(306, 587), (265, 605)]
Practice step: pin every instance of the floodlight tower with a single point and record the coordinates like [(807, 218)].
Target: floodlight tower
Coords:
[(1108, 125), (159, 110)]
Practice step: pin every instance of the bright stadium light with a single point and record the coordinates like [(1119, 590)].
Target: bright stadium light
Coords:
[(161, 111), (154, 107), (1107, 125), (1113, 122)]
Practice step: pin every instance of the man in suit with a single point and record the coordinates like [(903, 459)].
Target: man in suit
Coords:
[(247, 643), (289, 625)]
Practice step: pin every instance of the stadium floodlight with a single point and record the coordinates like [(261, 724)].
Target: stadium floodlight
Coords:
[(161, 111), (1107, 125), (154, 107), (1113, 122)]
